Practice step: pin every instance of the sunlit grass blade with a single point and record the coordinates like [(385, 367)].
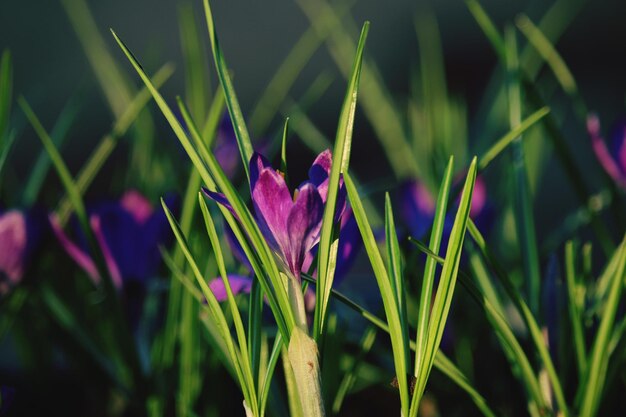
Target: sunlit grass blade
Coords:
[(283, 151), (236, 116), (574, 300), (327, 251), (375, 97), (6, 149), (6, 94), (527, 315), (488, 27), (593, 385), (284, 77), (510, 137), (277, 295), (109, 141), (40, 169), (523, 207), (392, 313), (445, 366), (216, 311), (423, 317), (445, 289), (511, 346), (234, 310), (395, 269), (266, 381)]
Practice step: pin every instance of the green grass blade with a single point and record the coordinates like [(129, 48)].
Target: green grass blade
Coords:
[(341, 157), (523, 207), (239, 329), (6, 94), (375, 98), (216, 311), (284, 77), (239, 124), (445, 290), (6, 149), (488, 27), (107, 144), (573, 295), (598, 361), (423, 317), (40, 169), (283, 152), (507, 139), (388, 296)]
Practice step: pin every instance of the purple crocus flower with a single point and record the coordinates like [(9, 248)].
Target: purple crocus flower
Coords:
[(612, 158), (128, 232), (292, 226), (19, 232), (417, 208)]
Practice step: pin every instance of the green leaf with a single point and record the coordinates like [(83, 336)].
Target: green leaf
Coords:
[(327, 251), (283, 152), (574, 312), (6, 96), (445, 290), (236, 116), (436, 235), (398, 343)]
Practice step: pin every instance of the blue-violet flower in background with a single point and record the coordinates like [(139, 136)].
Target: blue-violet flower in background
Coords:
[(613, 157)]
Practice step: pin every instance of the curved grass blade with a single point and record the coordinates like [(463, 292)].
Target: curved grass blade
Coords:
[(574, 312), (216, 311), (283, 152), (436, 234), (399, 344), (107, 144), (598, 361), (236, 116), (6, 94), (327, 251), (445, 289)]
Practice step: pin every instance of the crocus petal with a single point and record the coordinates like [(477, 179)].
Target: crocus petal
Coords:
[(238, 285), (257, 163), (601, 151), (618, 145), (320, 170), (114, 270), (77, 254), (479, 197), (272, 204), (349, 244), (303, 225), (13, 245), (137, 205), (221, 199), (417, 207), (236, 248)]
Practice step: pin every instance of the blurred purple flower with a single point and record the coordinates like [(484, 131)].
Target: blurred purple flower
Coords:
[(128, 232), (292, 226), (613, 158), (417, 209), (19, 232), (7, 394)]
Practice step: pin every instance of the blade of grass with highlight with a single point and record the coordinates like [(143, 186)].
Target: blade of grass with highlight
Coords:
[(441, 362), (523, 207), (510, 137), (399, 344), (216, 178), (236, 116), (40, 169), (234, 310), (327, 252), (511, 346), (216, 311), (423, 317), (375, 97), (285, 76), (107, 144), (445, 289), (283, 152), (573, 295), (598, 360)]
